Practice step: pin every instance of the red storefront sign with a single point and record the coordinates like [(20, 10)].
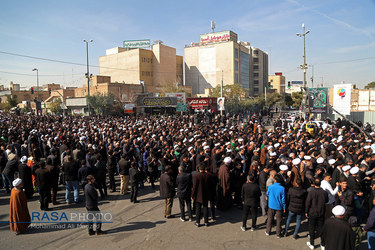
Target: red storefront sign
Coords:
[(199, 103)]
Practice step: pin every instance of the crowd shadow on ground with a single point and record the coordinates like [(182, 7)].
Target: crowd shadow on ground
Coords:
[(131, 226)]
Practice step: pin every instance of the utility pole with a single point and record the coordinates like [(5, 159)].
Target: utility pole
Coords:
[(88, 73), (222, 85), (304, 66)]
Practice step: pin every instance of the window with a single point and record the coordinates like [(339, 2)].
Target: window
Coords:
[(256, 82), (235, 65), (256, 60), (236, 53), (256, 67), (256, 52), (256, 90), (236, 78), (256, 74)]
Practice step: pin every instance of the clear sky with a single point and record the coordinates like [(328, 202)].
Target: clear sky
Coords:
[(340, 45)]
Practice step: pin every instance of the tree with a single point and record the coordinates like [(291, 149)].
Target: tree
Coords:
[(11, 102), (171, 87), (288, 100), (101, 104), (55, 106), (273, 98), (297, 99), (371, 85), (233, 91)]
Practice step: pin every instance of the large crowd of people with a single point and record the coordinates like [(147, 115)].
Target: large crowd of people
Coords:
[(325, 176)]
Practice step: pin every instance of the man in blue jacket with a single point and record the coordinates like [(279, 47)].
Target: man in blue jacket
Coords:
[(276, 205)]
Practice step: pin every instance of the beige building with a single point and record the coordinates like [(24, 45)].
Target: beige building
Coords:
[(103, 85), (157, 67), (220, 57), (277, 83)]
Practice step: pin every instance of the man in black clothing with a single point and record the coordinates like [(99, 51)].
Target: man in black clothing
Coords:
[(337, 232), (26, 177), (315, 211), (43, 178), (250, 199), (91, 197), (345, 197), (54, 163), (184, 185), (167, 191), (111, 166), (135, 177), (83, 172), (263, 176)]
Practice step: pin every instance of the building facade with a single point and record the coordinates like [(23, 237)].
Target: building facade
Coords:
[(220, 58), (157, 67), (277, 82), (124, 93)]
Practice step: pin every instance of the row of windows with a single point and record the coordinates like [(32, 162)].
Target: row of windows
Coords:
[(146, 60), (146, 73)]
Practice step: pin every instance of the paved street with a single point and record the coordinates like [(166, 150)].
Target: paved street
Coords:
[(142, 226)]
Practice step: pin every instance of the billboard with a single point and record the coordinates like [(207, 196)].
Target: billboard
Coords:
[(218, 37), (342, 98), (158, 102), (181, 97), (318, 100), (220, 103), (200, 103), (133, 44)]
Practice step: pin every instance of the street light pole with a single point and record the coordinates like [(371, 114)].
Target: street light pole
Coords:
[(221, 92), (37, 82), (88, 74), (304, 66)]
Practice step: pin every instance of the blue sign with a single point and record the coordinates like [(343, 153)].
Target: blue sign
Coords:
[(297, 82)]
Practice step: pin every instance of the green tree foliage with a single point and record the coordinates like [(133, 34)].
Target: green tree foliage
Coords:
[(55, 106), (288, 100), (101, 104), (297, 99), (11, 102), (273, 98), (371, 85), (233, 91)]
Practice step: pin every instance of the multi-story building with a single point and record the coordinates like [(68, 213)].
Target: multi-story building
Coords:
[(103, 85), (220, 58), (157, 67), (259, 72), (277, 82)]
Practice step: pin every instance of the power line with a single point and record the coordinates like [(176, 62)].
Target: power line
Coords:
[(73, 63), (21, 74), (344, 61)]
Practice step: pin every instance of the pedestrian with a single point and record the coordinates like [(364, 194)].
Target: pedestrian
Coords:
[(250, 195), (370, 228), (337, 233), (224, 199), (315, 211), (43, 180), (19, 216), (91, 197), (276, 205), (70, 170), (84, 171), (263, 176), (167, 191), (296, 198), (184, 186), (200, 194), (135, 177), (124, 165), (111, 166), (26, 177)]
